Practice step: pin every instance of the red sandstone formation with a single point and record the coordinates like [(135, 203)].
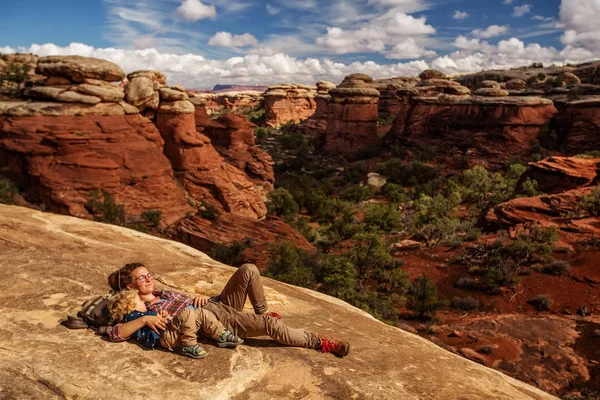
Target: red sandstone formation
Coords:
[(202, 171), (578, 123), (60, 160), (352, 116), (390, 103), (559, 174), (203, 234), (230, 100), (233, 137), (83, 137), (568, 179), (481, 129), (289, 102), (316, 124)]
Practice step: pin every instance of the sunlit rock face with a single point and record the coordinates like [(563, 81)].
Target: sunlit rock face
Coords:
[(352, 116)]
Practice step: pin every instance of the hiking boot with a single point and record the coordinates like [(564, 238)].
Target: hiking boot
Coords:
[(338, 347), (194, 351), (228, 339)]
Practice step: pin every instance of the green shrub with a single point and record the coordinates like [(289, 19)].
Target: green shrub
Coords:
[(467, 283), (339, 276), (368, 253), (541, 302), (395, 193), (486, 190), (422, 296), (209, 211), (428, 153), (591, 203), (532, 79), (231, 254), (541, 76), (15, 72), (382, 216), (407, 174), (290, 264), (281, 203), (103, 208), (8, 191), (262, 132), (301, 225), (357, 193), (152, 217), (256, 116), (465, 303), (589, 154), (557, 268), (356, 172), (503, 260)]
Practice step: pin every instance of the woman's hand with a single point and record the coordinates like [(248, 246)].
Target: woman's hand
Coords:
[(156, 322), (200, 301)]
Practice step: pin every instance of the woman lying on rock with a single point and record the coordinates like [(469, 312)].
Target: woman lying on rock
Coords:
[(225, 309)]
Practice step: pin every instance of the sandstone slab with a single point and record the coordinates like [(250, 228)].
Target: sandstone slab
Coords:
[(66, 262), (78, 68)]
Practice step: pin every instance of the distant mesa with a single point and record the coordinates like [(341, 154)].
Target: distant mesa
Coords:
[(238, 88)]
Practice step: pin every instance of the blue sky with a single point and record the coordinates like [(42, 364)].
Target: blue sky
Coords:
[(313, 39)]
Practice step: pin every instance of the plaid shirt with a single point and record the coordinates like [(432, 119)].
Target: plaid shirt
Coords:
[(171, 302)]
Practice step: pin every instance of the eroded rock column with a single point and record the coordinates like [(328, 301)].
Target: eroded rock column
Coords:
[(289, 102), (352, 116)]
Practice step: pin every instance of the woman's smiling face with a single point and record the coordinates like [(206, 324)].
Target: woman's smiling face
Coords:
[(141, 281)]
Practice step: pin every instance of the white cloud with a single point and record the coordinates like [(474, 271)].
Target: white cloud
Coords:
[(272, 10), (460, 15), (196, 71), (194, 10), (507, 2), (226, 39), (490, 31), (409, 49), (519, 11), (375, 35), (580, 21)]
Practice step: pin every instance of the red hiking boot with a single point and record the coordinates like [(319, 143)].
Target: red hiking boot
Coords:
[(337, 347)]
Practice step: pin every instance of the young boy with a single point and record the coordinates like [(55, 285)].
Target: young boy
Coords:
[(181, 332)]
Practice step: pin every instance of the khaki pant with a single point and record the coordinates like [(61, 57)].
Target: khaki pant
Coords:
[(228, 307), (186, 325)]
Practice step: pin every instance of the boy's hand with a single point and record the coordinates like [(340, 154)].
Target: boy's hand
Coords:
[(200, 301), (164, 314), (156, 322)]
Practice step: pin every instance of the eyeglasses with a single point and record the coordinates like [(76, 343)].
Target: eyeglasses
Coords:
[(143, 278)]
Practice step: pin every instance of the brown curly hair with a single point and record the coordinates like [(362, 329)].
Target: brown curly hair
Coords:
[(119, 279)]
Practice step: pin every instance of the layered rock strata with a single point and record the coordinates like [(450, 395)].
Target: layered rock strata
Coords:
[(490, 130), (217, 102), (560, 174), (81, 138), (289, 102), (567, 180), (390, 102), (61, 159), (352, 115), (316, 124), (204, 174), (577, 125), (233, 137)]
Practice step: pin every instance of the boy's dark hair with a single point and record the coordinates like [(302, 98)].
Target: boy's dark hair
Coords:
[(119, 279)]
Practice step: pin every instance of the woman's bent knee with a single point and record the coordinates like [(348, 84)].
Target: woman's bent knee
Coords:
[(249, 269)]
